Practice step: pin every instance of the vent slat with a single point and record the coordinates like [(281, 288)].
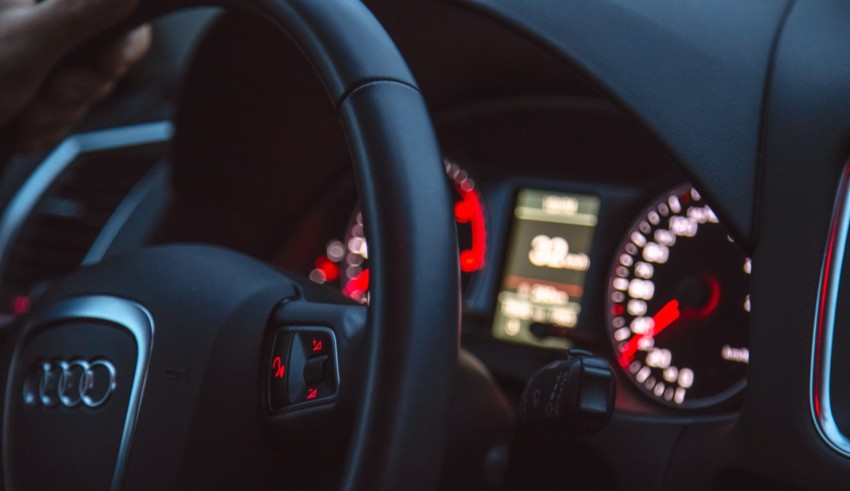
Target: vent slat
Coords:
[(67, 219)]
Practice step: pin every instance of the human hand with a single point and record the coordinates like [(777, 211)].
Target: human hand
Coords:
[(44, 88)]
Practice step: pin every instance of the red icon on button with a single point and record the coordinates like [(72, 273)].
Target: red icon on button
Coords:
[(278, 367), (312, 393), (317, 345)]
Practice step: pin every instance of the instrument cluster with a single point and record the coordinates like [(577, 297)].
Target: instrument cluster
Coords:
[(545, 265)]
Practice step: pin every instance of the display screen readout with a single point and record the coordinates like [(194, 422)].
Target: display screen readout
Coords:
[(545, 267)]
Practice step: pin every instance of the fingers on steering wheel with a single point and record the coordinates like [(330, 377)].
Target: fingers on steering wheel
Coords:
[(72, 89), (64, 24), (117, 58)]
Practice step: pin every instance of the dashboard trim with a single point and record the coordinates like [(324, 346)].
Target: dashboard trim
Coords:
[(824, 326), (131, 202)]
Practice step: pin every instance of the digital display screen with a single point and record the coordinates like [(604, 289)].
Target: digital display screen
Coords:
[(545, 268)]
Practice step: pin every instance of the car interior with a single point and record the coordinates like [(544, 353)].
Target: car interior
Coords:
[(440, 245)]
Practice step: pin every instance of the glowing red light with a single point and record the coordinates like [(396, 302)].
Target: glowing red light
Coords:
[(20, 305), (627, 352), (278, 367), (328, 268), (469, 261), (463, 212), (312, 393), (661, 320), (817, 404), (357, 286), (665, 316), (317, 344), (825, 287), (711, 304), (469, 210), (617, 309)]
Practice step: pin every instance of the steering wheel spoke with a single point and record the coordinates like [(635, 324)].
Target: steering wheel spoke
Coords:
[(194, 358), (243, 390), (312, 361)]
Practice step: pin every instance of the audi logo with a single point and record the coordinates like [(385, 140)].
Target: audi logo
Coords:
[(70, 383)]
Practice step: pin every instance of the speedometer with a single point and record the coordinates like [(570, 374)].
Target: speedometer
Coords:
[(678, 304)]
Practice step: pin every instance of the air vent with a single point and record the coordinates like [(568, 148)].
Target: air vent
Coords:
[(66, 216)]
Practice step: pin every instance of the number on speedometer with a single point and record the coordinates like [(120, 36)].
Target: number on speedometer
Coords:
[(678, 304)]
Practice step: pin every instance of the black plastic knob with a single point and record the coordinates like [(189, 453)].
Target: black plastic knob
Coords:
[(569, 397)]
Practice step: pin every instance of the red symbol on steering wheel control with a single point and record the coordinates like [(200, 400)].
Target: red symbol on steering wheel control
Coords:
[(278, 367), (312, 393), (317, 344)]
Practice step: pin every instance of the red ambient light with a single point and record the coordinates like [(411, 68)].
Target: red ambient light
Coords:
[(358, 285), (328, 268), (20, 305), (469, 210), (278, 367)]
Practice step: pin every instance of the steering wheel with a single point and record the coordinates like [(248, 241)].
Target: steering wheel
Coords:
[(188, 366)]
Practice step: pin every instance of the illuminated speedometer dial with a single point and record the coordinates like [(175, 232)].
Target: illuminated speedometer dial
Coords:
[(678, 304)]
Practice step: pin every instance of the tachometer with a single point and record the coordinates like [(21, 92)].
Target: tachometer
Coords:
[(347, 260), (678, 304)]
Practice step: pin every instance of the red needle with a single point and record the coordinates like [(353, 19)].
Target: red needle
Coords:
[(660, 321), (668, 313)]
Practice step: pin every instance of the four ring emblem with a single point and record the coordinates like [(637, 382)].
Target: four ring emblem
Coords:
[(70, 383)]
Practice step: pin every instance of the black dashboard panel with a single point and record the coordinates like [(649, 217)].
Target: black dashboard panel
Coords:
[(294, 194), (667, 65), (617, 100), (806, 148)]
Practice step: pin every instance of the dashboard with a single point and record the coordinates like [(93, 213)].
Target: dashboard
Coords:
[(543, 266), (592, 214), (566, 144)]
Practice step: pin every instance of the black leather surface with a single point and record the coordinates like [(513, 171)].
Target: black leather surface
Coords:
[(203, 366), (806, 145), (693, 72), (414, 284), (343, 41), (400, 432)]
